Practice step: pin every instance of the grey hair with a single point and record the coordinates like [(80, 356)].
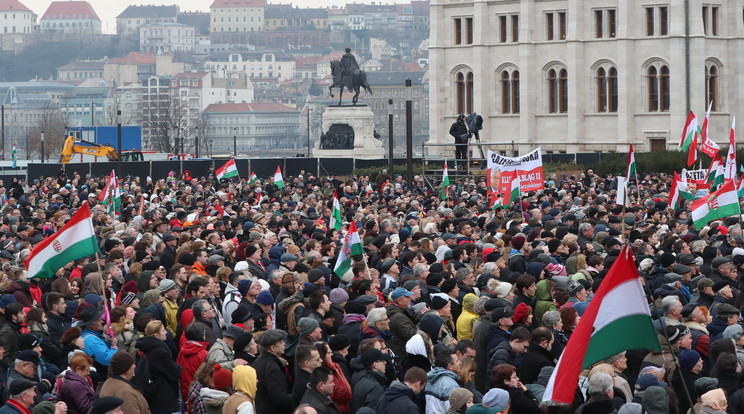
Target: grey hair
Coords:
[(419, 269), (462, 273), (199, 307), (735, 234), (599, 384), (275, 274), (551, 318), (611, 359), (489, 267), (697, 246), (312, 256), (669, 303), (583, 227), (376, 315)]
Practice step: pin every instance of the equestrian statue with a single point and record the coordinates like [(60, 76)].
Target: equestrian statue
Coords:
[(346, 73)]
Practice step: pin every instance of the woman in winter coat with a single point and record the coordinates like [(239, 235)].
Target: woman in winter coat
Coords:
[(419, 353), (341, 388), (222, 383), (202, 379), (193, 353), (465, 378), (728, 372), (164, 372), (36, 323), (522, 400), (467, 318), (714, 402), (242, 400), (76, 388)]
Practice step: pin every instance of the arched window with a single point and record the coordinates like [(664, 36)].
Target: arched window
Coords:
[(664, 88), (607, 89), (515, 91), (505, 93), (711, 86), (563, 90), (464, 88), (557, 90), (653, 89), (552, 91)]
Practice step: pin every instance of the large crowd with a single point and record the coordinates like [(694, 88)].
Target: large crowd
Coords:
[(212, 296)]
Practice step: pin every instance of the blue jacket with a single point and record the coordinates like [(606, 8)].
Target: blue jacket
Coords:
[(440, 383), (10, 408), (97, 348)]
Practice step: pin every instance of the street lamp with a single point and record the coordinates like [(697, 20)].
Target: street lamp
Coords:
[(211, 145), (196, 141), (118, 140), (42, 146), (391, 141), (409, 134), (235, 141)]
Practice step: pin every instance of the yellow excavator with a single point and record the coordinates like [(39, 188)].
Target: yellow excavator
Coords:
[(72, 147)]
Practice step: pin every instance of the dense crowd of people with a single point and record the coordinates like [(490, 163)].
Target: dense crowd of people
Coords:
[(212, 296)]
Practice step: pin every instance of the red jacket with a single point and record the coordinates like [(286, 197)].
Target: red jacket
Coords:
[(192, 355)]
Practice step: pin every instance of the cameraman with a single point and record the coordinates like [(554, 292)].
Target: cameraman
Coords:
[(460, 132)]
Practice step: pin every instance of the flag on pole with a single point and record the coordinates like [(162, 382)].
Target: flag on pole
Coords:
[(680, 191), (740, 187), (12, 155), (369, 190), (260, 197), (252, 178), (514, 192), (722, 203), (691, 128), (631, 165), (617, 319), (278, 181), (228, 170), (111, 196), (336, 219), (75, 240), (692, 154), (352, 246), (729, 171), (445, 182), (708, 146)]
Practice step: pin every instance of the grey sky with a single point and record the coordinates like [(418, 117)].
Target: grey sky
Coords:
[(107, 10)]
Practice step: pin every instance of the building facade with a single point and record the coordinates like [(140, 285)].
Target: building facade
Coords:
[(133, 17), (392, 86), (70, 17), (278, 65), (255, 126), (15, 17), (232, 20), (167, 37), (78, 72), (585, 76)]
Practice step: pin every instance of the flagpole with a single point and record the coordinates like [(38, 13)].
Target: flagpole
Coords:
[(105, 300)]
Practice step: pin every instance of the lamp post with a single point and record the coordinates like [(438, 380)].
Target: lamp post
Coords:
[(235, 141), (42, 146), (308, 130), (196, 141), (211, 145), (391, 141), (409, 134), (118, 141)]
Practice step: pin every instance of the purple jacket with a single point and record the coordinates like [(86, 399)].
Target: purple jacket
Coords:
[(77, 393)]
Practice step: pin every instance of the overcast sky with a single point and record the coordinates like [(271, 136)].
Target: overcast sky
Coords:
[(107, 10)]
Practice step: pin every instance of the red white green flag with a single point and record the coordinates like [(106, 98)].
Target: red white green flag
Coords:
[(352, 247), (228, 170), (722, 203), (708, 146), (514, 191), (729, 170), (631, 171), (445, 182), (278, 180), (680, 191), (617, 319), (336, 219), (75, 240), (111, 196)]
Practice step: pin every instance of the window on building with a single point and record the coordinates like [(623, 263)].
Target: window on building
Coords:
[(657, 144), (711, 87), (469, 30), (663, 21), (549, 26), (598, 24), (705, 20), (562, 25), (658, 88), (611, 23), (458, 31), (649, 21), (557, 90), (510, 91), (502, 29), (515, 27), (607, 89), (464, 92)]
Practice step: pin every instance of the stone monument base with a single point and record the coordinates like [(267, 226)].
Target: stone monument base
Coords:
[(362, 120)]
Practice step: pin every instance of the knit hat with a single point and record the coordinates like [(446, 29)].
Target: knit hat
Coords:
[(167, 285), (676, 332), (434, 279), (502, 289), (688, 358), (448, 285), (314, 275), (733, 332), (120, 363), (479, 306), (496, 398), (243, 286), (338, 296), (556, 269), (221, 378), (44, 407), (128, 298), (518, 242), (28, 341), (520, 312), (458, 398), (6, 300), (265, 298), (438, 302), (307, 326), (338, 342)]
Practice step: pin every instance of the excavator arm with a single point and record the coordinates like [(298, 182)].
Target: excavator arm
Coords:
[(72, 147)]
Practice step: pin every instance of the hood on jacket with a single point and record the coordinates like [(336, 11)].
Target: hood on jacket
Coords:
[(143, 281), (416, 346), (212, 397), (244, 380), (396, 390), (535, 269), (193, 348), (20, 286), (230, 288), (187, 317), (431, 323), (468, 302), (543, 290), (157, 310), (148, 343), (275, 255), (94, 284)]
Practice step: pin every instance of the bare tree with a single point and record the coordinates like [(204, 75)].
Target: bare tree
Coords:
[(52, 121), (166, 120)]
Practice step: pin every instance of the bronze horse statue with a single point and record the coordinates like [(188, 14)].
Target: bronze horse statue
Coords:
[(353, 81)]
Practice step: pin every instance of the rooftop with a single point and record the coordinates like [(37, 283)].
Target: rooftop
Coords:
[(237, 3), (134, 58), (14, 5), (66, 10), (394, 78), (149, 11), (248, 108), (89, 65)]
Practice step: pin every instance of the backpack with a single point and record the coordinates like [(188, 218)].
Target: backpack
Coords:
[(143, 375), (231, 297)]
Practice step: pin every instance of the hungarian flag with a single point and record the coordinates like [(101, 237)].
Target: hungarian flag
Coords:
[(445, 182), (220, 209), (691, 129), (680, 191), (617, 319), (278, 181), (631, 164), (514, 192), (729, 171), (336, 219), (228, 170), (74, 241), (722, 203), (708, 147), (252, 179), (352, 246), (382, 188), (12, 156), (111, 196)]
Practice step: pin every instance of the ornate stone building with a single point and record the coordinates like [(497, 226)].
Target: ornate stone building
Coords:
[(585, 75)]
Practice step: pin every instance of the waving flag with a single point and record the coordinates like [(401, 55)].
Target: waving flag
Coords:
[(278, 180), (617, 319), (336, 219), (228, 170), (445, 182), (631, 165), (111, 196), (729, 171), (722, 203), (708, 146), (352, 247)]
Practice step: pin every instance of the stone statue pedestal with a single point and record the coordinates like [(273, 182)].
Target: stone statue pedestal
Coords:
[(361, 119)]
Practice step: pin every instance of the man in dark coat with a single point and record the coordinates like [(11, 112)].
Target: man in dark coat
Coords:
[(538, 355), (164, 371), (273, 393), (401, 397), (459, 131), (371, 386), (319, 390)]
